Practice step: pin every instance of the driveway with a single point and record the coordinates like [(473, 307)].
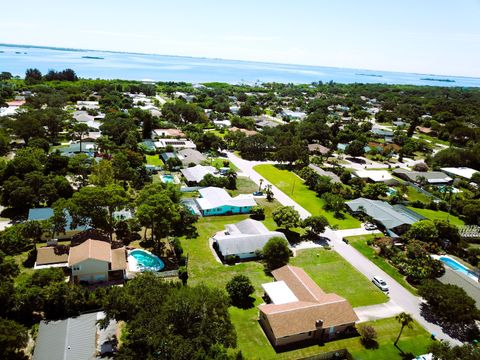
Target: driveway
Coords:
[(379, 311), (398, 294)]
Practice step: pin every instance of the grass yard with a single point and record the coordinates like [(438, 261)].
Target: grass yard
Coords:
[(244, 186), (414, 195), (359, 242), (437, 214), (154, 160), (294, 187), (330, 270), (334, 274)]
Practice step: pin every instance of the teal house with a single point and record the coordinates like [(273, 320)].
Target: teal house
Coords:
[(217, 201)]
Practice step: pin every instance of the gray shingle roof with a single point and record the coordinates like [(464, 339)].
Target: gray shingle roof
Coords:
[(244, 237), (431, 176), (381, 211), (70, 339), (197, 173)]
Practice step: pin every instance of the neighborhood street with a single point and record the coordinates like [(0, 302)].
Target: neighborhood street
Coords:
[(399, 296)]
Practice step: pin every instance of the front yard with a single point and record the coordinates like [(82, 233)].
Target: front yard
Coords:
[(438, 214), (293, 186)]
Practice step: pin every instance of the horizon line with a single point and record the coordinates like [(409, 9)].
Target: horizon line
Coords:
[(61, 48)]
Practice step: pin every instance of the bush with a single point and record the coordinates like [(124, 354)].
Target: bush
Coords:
[(183, 274), (257, 213), (231, 259), (276, 253), (418, 204), (368, 336), (422, 167), (239, 288)]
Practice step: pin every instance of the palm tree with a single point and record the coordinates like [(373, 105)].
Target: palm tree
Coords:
[(260, 186), (231, 175), (269, 192), (405, 320)]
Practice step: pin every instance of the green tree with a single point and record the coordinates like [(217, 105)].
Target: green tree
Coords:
[(355, 148), (374, 191), (79, 131), (276, 253), (240, 289), (286, 217), (405, 320), (423, 230), (335, 203), (13, 339), (33, 76), (102, 173), (315, 225)]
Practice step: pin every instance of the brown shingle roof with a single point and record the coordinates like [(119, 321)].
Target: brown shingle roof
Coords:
[(90, 249), (52, 255), (314, 304), (317, 147), (119, 259)]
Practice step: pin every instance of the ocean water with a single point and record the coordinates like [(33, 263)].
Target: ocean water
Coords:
[(116, 65)]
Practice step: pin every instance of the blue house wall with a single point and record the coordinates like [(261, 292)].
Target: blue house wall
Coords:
[(227, 210)]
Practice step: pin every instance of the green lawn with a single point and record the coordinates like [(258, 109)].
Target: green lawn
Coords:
[(437, 214), (154, 160), (414, 195), (359, 242), (294, 187), (244, 186), (334, 274), (329, 269)]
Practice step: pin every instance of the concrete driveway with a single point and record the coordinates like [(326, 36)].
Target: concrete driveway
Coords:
[(398, 294)]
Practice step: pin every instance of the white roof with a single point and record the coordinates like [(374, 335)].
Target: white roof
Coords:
[(214, 197), (464, 172), (279, 292), (176, 143), (198, 172), (374, 175)]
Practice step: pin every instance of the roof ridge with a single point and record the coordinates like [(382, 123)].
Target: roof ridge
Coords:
[(304, 285)]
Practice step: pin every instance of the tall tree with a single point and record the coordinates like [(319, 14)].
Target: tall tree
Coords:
[(405, 320)]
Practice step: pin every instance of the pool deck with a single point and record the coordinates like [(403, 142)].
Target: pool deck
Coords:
[(471, 287)]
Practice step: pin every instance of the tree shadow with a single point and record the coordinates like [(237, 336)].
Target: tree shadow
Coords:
[(369, 344), (31, 259), (244, 304), (293, 237), (461, 331)]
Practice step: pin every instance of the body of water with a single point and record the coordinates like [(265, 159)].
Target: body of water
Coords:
[(116, 65)]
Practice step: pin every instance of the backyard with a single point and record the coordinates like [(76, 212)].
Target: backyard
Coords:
[(293, 186), (154, 160), (438, 215)]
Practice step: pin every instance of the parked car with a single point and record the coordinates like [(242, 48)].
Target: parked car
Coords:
[(380, 283), (370, 226)]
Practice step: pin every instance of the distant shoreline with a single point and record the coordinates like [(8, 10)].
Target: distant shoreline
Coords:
[(57, 48)]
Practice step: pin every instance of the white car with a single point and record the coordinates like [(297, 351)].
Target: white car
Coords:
[(380, 283), (369, 226)]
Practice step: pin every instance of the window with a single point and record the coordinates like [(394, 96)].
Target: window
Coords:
[(77, 267)]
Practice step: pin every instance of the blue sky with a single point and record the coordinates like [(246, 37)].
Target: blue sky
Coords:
[(425, 36)]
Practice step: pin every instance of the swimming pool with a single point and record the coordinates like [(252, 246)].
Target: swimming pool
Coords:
[(141, 260), (391, 191), (167, 178), (455, 265)]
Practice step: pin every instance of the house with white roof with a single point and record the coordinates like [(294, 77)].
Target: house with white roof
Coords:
[(177, 144), (217, 201), (193, 175), (375, 175), (243, 239), (463, 172), (89, 105)]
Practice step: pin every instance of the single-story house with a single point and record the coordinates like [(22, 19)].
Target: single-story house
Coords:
[(217, 201), (167, 155), (40, 214), (51, 256), (90, 105), (193, 175), (318, 149), (244, 239), (88, 148), (245, 131), (293, 115), (396, 219), (334, 177), (376, 176), (191, 156), (75, 338), (298, 310), (95, 261), (148, 144), (432, 177), (222, 123), (382, 132), (177, 144), (463, 172), (168, 133)]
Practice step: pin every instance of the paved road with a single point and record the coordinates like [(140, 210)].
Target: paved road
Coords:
[(399, 296)]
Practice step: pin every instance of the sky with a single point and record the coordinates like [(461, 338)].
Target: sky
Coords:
[(423, 36)]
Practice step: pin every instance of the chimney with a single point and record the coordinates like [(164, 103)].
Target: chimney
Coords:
[(319, 324)]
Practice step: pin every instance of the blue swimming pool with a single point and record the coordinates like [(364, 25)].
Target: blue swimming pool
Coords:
[(455, 265), (167, 178), (146, 261)]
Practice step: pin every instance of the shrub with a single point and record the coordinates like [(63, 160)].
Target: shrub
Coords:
[(368, 335), (257, 213), (276, 253), (239, 288)]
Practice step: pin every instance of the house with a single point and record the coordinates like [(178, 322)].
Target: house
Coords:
[(191, 156), (193, 175), (245, 131), (298, 310), (168, 133), (41, 214), (463, 172), (222, 123), (89, 105), (94, 261), (75, 338), (177, 144), (293, 115), (217, 201), (382, 132), (168, 155), (432, 177), (334, 177), (376, 176), (318, 149), (88, 148), (243, 239), (395, 220), (51, 256)]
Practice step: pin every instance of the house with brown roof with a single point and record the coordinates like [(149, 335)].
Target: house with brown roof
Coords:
[(51, 256), (95, 261), (297, 310)]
